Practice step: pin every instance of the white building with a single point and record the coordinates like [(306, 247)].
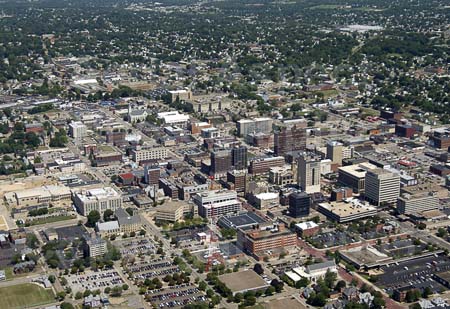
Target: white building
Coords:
[(77, 129), (174, 118), (316, 271), (256, 125), (99, 199), (137, 115), (96, 247), (217, 203), (308, 173), (382, 186), (153, 153), (417, 203), (266, 200), (38, 196)]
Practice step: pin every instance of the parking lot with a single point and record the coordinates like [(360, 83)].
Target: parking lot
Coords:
[(177, 296), (94, 280), (416, 272), (154, 269), (332, 239), (136, 247)]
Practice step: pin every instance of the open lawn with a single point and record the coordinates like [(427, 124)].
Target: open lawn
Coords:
[(51, 219), (24, 295)]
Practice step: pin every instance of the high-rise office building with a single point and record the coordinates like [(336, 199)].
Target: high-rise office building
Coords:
[(336, 152), (151, 174), (382, 186), (256, 125), (220, 162), (299, 204), (239, 157), (77, 129), (308, 172), (289, 138)]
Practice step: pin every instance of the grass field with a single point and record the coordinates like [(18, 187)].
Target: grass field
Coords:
[(51, 219), (24, 295)]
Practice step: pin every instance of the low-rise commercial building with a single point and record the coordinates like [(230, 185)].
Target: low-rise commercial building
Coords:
[(307, 229), (38, 196), (349, 210), (169, 213), (315, 272), (174, 118), (266, 200)]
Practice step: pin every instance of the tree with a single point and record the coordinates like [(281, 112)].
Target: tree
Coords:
[(93, 217), (202, 285), (66, 306), (421, 226), (250, 300), (52, 279), (108, 215), (61, 295), (441, 232), (258, 269), (238, 298), (330, 278), (340, 285), (60, 139), (270, 290), (32, 241), (303, 282), (278, 285), (317, 300), (427, 292), (412, 295)]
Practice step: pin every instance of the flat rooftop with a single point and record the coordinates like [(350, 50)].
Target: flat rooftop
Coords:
[(343, 209), (98, 193), (358, 170), (248, 218), (243, 281), (366, 255)]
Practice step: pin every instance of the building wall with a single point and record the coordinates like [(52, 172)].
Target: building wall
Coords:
[(417, 204)]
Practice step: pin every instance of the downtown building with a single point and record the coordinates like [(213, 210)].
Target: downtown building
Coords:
[(212, 204), (266, 239), (308, 172), (382, 187), (256, 125), (99, 199), (221, 163), (289, 138)]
